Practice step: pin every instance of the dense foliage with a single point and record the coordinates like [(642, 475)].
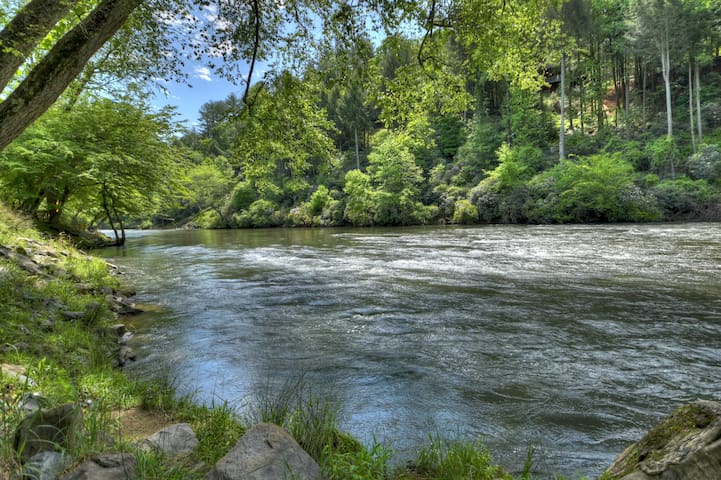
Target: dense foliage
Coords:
[(459, 125)]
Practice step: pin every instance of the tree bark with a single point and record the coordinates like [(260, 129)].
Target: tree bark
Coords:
[(47, 81), (25, 31), (666, 71), (690, 106), (698, 104), (357, 154), (627, 96), (562, 132)]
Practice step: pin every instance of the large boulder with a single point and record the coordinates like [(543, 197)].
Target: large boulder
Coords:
[(51, 429), (178, 439), (266, 452), (106, 466), (685, 445)]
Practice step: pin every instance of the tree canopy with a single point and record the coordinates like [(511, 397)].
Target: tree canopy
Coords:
[(376, 112)]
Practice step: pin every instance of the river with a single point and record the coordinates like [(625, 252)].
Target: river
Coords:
[(573, 340)]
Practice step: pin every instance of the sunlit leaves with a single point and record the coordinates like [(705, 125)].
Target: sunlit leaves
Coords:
[(283, 136), (100, 151)]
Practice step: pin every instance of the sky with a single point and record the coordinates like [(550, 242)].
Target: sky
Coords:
[(205, 86)]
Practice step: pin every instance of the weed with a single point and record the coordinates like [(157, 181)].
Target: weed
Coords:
[(443, 459), (217, 428), (359, 463)]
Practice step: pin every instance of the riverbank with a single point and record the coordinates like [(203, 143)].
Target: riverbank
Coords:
[(61, 346)]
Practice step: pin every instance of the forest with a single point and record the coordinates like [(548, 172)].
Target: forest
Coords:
[(366, 113)]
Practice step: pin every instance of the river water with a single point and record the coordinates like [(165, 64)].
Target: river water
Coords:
[(573, 340)]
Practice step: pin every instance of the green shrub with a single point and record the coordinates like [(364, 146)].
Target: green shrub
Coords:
[(705, 164), (318, 200), (301, 216), (359, 204), (261, 213), (243, 196), (465, 212), (486, 199), (479, 151), (599, 188), (663, 155), (579, 144), (332, 213), (684, 198)]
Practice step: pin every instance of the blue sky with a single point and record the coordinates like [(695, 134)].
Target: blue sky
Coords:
[(204, 84), (205, 87)]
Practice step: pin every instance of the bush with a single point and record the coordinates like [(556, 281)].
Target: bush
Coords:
[(332, 213), (301, 216), (465, 212), (479, 151), (684, 198), (486, 199), (261, 213), (243, 196), (318, 200), (359, 205), (663, 153), (599, 188), (705, 164), (579, 144)]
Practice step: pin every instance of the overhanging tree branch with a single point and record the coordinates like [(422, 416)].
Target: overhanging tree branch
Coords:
[(20, 37), (47, 81)]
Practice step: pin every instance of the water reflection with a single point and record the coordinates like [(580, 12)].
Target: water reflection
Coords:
[(574, 339)]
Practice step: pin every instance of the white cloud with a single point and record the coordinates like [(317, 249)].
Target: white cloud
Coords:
[(172, 20), (203, 73), (210, 12)]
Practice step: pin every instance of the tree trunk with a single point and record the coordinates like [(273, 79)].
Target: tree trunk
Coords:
[(581, 95), (25, 31), (47, 81), (627, 96), (121, 241), (698, 104), (666, 71), (643, 96), (109, 216), (357, 154), (690, 106), (562, 132)]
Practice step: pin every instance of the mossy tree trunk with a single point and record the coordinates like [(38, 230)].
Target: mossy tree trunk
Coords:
[(47, 81), (20, 37)]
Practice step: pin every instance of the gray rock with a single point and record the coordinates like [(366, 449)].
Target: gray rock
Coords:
[(125, 338), (45, 466), (125, 354), (71, 315), (266, 452), (17, 373), (46, 325), (685, 445), (107, 466), (121, 306), (178, 439), (118, 329), (32, 402), (43, 430)]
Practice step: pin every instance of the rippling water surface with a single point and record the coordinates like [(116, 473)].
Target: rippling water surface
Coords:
[(574, 340)]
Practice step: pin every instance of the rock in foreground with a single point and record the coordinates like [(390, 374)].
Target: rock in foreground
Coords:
[(266, 452), (685, 445)]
